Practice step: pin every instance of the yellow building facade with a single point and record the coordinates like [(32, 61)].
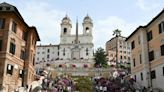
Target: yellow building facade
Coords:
[(147, 44)]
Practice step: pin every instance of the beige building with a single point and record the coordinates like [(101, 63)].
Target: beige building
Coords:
[(123, 51), (147, 44), (17, 49)]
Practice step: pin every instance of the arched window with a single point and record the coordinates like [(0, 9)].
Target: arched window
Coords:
[(64, 52), (87, 52), (87, 29), (65, 30)]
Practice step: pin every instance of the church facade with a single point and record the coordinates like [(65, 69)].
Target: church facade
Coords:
[(73, 51)]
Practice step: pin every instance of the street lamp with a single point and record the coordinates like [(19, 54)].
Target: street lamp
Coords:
[(117, 33)]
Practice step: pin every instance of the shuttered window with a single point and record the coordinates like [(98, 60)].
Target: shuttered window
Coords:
[(162, 50), (161, 27), (14, 27), (2, 23), (151, 55), (0, 45), (12, 48)]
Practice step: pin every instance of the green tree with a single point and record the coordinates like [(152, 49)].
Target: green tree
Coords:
[(117, 32), (100, 58), (84, 84)]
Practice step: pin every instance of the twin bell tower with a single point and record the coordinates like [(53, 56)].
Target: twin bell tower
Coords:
[(66, 26)]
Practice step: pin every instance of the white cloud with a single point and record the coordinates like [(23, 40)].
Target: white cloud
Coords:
[(104, 29), (141, 4), (145, 5), (46, 20)]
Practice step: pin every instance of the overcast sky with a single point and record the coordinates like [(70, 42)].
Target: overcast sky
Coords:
[(107, 15)]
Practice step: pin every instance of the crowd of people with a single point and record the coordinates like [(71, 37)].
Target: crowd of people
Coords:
[(45, 83), (119, 82), (59, 84)]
